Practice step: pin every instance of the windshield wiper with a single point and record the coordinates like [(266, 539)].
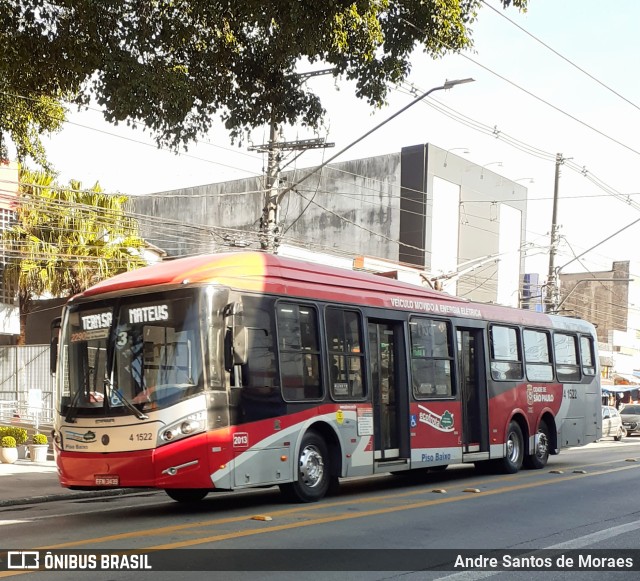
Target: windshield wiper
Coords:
[(70, 418), (125, 402)]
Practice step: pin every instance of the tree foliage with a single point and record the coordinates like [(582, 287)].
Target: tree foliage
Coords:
[(24, 120), (64, 239), (173, 65)]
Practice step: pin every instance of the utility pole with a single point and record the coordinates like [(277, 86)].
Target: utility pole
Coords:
[(270, 220), (552, 277), (270, 229), (270, 213)]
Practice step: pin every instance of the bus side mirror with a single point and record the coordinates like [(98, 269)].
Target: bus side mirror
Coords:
[(53, 344)]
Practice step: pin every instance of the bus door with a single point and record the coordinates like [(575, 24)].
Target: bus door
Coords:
[(472, 374), (389, 393)]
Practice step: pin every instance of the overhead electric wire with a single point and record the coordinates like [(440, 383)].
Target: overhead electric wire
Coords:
[(245, 232), (554, 51), (534, 96)]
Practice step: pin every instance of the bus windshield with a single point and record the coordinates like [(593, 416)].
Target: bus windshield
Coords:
[(134, 354)]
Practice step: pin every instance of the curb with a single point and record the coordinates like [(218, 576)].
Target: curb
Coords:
[(73, 495)]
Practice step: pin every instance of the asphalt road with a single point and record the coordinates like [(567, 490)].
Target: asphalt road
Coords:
[(584, 501)]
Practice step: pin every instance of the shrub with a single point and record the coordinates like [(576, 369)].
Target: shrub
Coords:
[(40, 439), (8, 442), (20, 434)]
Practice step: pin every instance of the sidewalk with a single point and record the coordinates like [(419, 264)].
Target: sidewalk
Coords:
[(27, 482)]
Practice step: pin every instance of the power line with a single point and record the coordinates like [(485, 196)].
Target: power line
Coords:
[(554, 51), (536, 97)]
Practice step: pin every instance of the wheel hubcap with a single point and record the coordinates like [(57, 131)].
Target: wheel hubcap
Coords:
[(311, 466), (513, 449), (543, 445)]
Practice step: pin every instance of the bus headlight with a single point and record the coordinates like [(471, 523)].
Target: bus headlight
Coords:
[(189, 427), (169, 435), (182, 428)]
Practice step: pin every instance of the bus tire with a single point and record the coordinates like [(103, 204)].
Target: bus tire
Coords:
[(512, 462), (313, 471), (187, 495), (540, 456), (485, 466)]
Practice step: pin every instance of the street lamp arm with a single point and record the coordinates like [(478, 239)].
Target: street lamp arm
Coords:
[(446, 85)]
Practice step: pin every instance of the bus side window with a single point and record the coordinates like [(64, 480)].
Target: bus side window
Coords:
[(586, 355), (537, 354), (344, 340), (506, 357), (260, 370), (431, 358), (299, 351), (566, 354)]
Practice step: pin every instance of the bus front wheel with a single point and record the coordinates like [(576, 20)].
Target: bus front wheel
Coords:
[(514, 450), (313, 471), (186, 495)]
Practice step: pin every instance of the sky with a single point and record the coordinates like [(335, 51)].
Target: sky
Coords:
[(528, 103)]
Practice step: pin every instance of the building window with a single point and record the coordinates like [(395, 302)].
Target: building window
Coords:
[(7, 293)]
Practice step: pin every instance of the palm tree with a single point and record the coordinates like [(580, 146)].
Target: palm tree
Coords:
[(64, 239)]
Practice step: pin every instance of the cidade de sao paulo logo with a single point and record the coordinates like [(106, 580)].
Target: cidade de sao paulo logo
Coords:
[(537, 394)]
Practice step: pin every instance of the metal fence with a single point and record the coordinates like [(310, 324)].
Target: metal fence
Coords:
[(26, 385)]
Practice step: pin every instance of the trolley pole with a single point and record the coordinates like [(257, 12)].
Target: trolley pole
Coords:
[(552, 277)]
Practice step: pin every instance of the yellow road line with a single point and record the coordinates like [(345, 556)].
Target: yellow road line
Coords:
[(317, 521), (324, 505)]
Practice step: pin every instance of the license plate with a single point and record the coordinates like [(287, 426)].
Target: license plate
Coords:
[(107, 480)]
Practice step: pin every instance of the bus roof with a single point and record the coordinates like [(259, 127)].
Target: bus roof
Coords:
[(272, 274)]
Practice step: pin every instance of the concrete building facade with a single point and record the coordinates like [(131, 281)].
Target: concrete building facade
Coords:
[(423, 206), (606, 299)]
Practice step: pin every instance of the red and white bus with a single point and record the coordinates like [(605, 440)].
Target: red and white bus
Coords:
[(236, 370)]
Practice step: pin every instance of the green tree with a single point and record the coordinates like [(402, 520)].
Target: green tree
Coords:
[(24, 120), (174, 64), (65, 239)]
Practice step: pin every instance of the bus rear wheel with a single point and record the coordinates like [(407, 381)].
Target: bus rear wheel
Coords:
[(187, 495), (313, 471), (514, 453), (540, 455)]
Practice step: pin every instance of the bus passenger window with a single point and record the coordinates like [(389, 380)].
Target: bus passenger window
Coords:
[(344, 332), (431, 359), (586, 354), (566, 352), (537, 354), (260, 370), (506, 358), (299, 351)]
